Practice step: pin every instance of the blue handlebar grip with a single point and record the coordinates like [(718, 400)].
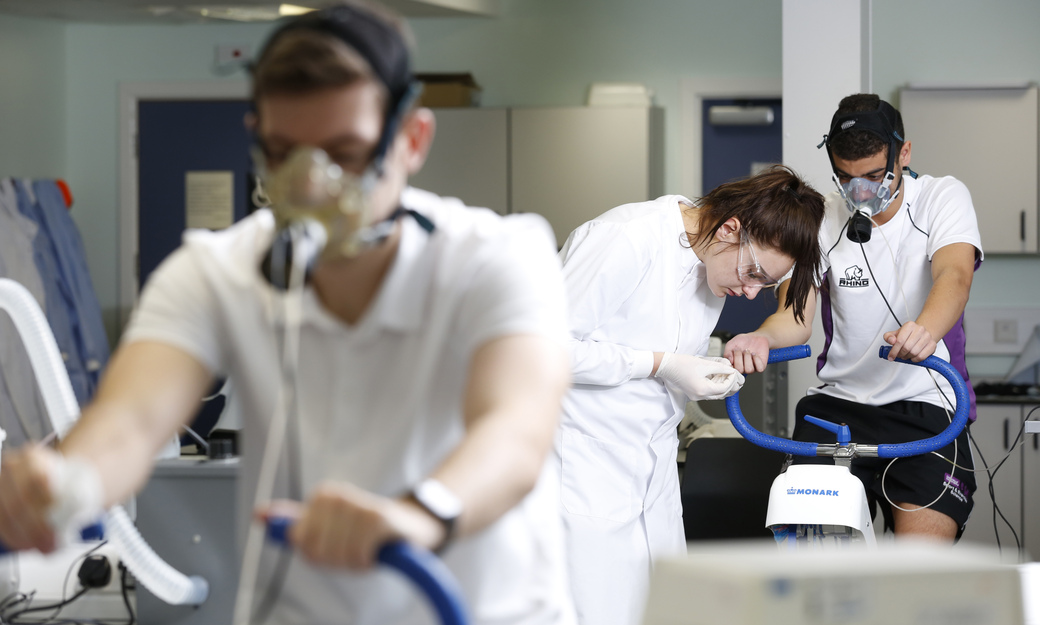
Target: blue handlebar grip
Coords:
[(960, 416), (423, 568), (431, 575), (776, 443), (278, 530), (794, 352), (95, 531)]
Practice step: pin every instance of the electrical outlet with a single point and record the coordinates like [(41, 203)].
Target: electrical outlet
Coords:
[(1005, 331)]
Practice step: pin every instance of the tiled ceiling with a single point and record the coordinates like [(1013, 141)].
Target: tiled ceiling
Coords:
[(198, 11)]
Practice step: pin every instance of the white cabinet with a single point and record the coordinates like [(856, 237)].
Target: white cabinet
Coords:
[(572, 164), (994, 431), (566, 164), (1031, 487), (1016, 487), (988, 139), (469, 158)]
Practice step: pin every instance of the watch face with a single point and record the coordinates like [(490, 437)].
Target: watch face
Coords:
[(438, 499)]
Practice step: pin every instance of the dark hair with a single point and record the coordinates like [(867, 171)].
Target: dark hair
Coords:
[(337, 46), (853, 145), (778, 209)]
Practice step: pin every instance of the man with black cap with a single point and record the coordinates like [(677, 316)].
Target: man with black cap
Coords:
[(397, 357), (899, 253)]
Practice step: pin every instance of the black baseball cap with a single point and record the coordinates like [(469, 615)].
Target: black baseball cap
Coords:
[(881, 122)]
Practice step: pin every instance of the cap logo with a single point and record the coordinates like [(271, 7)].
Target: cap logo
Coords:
[(848, 124)]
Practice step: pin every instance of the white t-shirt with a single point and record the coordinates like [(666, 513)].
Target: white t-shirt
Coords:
[(379, 403), (935, 212)]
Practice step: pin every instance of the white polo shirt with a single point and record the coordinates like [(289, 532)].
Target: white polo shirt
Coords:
[(379, 403), (935, 212)]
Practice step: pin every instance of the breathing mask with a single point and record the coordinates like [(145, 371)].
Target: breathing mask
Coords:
[(320, 208), (309, 188), (866, 198)]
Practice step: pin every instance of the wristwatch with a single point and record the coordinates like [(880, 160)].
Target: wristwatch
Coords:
[(441, 503)]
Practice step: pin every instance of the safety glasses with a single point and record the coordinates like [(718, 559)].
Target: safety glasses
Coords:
[(749, 270)]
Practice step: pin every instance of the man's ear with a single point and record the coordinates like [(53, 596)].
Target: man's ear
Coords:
[(250, 120), (904, 154), (416, 136)]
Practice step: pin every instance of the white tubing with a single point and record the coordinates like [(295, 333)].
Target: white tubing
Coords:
[(44, 355), (160, 578), (156, 575)]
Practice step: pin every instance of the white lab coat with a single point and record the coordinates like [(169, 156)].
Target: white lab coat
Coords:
[(634, 287)]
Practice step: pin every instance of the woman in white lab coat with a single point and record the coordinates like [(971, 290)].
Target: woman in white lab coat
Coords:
[(646, 285)]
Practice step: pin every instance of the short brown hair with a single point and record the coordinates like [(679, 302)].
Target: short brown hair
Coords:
[(778, 209), (337, 46)]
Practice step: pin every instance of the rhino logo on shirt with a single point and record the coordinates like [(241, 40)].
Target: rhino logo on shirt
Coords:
[(854, 278)]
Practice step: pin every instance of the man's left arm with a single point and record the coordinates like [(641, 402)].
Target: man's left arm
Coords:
[(953, 267), (511, 408)]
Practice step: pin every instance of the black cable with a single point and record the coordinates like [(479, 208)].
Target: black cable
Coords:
[(1014, 444), (54, 606), (877, 286), (124, 585), (993, 497), (12, 600), (65, 584)]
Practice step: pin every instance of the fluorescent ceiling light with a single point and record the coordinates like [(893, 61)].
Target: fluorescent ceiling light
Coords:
[(292, 9), (237, 13)]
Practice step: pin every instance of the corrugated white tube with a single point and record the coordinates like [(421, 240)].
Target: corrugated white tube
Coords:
[(160, 578), (44, 355), (165, 582)]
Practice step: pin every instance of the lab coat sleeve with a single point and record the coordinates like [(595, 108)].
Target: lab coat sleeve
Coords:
[(603, 264)]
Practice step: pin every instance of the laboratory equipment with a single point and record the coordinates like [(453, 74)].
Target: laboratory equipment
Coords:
[(63, 410), (826, 504), (903, 583)]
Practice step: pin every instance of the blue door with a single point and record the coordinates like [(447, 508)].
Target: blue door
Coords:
[(175, 137), (732, 152)]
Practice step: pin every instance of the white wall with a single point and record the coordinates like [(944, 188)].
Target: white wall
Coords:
[(32, 98), (59, 83), (98, 59), (808, 106)]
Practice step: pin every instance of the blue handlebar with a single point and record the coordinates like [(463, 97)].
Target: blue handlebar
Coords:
[(960, 416), (913, 448), (776, 443), (88, 533), (423, 568)]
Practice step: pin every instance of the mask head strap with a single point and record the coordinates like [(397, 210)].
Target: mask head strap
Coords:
[(380, 45), (881, 122)]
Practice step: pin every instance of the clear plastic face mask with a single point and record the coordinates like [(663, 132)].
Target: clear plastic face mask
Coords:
[(866, 196), (308, 186)]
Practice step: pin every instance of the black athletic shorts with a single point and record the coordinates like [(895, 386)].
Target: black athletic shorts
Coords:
[(917, 480)]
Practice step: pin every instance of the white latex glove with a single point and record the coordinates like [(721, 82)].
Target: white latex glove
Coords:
[(700, 377)]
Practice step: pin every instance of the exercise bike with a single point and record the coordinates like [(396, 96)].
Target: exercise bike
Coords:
[(824, 505)]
